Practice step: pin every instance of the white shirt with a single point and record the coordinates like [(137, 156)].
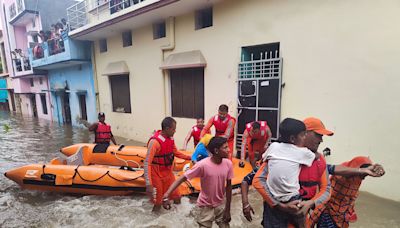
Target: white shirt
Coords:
[(284, 162)]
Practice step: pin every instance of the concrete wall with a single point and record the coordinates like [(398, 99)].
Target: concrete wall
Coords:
[(21, 38), (339, 64), (37, 89), (78, 78)]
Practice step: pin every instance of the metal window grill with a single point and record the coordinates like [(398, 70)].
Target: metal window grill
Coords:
[(78, 13)]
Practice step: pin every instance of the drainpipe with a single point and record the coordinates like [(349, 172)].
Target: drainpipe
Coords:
[(165, 48), (95, 79)]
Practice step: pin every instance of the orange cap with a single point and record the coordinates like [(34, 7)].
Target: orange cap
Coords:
[(316, 125)]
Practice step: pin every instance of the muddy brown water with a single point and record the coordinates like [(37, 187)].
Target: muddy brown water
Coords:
[(25, 140)]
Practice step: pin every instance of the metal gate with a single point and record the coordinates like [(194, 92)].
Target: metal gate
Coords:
[(259, 92)]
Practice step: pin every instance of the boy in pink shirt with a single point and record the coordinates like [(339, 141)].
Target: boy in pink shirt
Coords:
[(214, 173)]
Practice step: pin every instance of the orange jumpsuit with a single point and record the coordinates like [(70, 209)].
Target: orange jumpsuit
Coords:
[(160, 177), (225, 128), (255, 143)]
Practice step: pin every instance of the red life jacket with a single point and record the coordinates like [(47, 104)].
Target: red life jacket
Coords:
[(196, 134), (165, 158), (103, 133), (310, 177), (221, 125), (263, 134)]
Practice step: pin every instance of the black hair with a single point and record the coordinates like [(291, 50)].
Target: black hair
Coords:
[(290, 127), (215, 143), (167, 122), (256, 125), (223, 108)]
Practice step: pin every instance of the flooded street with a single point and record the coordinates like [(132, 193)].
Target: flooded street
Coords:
[(24, 140)]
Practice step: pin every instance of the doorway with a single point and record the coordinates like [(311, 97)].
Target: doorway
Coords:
[(259, 88), (66, 109), (33, 105)]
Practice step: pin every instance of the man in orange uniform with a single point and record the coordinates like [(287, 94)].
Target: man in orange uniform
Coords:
[(224, 127), (194, 132), (315, 188), (158, 174), (256, 137), (102, 131)]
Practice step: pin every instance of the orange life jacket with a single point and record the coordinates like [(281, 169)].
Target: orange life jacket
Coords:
[(263, 130), (196, 131), (103, 133), (221, 125), (310, 177), (165, 158)]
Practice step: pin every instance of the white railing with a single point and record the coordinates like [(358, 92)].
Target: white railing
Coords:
[(78, 14), (16, 8), (21, 64)]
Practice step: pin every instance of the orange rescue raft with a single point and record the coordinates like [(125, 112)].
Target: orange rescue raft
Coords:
[(98, 179), (115, 155)]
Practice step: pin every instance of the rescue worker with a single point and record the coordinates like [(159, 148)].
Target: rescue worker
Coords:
[(256, 137), (102, 131), (158, 164), (224, 127), (315, 187), (314, 181), (194, 132)]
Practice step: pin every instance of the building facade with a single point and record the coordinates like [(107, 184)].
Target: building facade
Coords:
[(70, 79), (264, 59), (22, 22)]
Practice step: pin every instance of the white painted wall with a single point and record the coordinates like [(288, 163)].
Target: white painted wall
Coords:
[(339, 64)]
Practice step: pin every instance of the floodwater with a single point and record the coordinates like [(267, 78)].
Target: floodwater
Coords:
[(25, 140)]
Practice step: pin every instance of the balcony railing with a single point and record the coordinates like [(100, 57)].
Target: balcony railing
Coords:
[(62, 49), (21, 64), (80, 14), (48, 48)]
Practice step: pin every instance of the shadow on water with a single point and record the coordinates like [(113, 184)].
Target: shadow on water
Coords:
[(28, 140)]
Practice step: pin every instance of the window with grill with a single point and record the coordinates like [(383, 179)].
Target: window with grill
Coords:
[(120, 93), (187, 92)]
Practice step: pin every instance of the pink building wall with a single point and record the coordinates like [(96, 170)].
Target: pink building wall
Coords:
[(35, 90), (21, 40), (16, 37)]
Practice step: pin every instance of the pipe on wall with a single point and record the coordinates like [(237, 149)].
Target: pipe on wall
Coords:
[(169, 47)]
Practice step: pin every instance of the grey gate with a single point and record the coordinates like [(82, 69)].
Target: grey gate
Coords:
[(259, 91)]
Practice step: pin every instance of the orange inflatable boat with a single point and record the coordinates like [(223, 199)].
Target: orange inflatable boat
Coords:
[(98, 179), (132, 156)]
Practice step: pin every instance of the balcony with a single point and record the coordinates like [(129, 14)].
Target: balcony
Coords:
[(21, 11), (22, 65), (60, 52), (91, 19), (90, 11)]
